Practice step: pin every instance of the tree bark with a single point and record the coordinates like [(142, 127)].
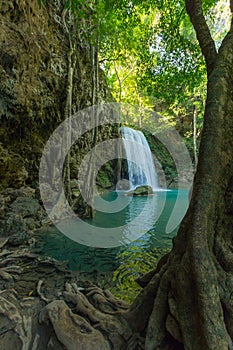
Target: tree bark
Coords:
[(207, 45), (187, 302)]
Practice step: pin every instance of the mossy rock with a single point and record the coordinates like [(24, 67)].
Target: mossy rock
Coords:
[(141, 191), (12, 169), (105, 178)]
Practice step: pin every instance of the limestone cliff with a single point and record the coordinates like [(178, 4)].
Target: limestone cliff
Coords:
[(33, 84)]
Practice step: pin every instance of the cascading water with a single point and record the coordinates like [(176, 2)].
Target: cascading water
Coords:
[(141, 169)]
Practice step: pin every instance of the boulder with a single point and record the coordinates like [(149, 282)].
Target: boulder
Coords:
[(20, 212), (141, 191)]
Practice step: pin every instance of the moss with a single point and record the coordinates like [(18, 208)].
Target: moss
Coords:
[(33, 72), (12, 169), (165, 160), (103, 180), (106, 177)]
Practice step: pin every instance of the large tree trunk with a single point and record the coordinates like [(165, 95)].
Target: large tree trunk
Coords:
[(187, 302)]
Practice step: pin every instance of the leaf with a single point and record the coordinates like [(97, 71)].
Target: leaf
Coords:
[(67, 5)]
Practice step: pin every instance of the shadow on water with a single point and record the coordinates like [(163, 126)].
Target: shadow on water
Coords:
[(116, 268)]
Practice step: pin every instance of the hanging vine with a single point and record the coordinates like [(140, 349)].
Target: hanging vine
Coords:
[(72, 59), (90, 185)]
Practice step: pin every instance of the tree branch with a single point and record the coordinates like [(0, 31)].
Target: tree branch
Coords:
[(206, 42)]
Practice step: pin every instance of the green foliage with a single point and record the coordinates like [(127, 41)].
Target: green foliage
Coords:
[(134, 263), (150, 54), (41, 2), (151, 57)]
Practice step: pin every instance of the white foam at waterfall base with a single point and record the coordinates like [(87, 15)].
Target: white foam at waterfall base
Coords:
[(141, 169)]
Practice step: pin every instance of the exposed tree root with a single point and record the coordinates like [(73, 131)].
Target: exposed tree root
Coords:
[(44, 307)]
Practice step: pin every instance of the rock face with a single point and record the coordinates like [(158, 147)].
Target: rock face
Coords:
[(12, 169), (33, 85), (20, 213)]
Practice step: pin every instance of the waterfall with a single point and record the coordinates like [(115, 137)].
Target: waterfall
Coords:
[(141, 169)]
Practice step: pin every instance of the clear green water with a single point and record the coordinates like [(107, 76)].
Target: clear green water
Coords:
[(112, 267)]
